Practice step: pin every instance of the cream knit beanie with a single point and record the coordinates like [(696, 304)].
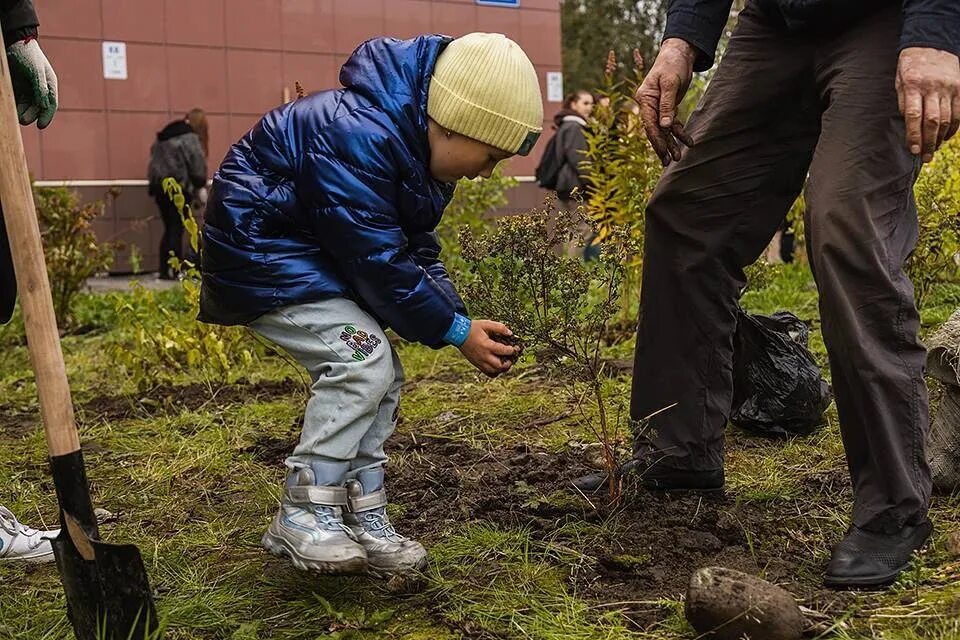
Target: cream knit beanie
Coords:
[(485, 87)]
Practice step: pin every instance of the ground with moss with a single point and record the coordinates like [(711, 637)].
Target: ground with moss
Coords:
[(480, 471)]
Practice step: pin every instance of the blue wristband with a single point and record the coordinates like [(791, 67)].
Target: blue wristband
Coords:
[(458, 331)]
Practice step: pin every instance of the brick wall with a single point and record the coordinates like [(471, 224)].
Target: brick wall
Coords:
[(236, 59)]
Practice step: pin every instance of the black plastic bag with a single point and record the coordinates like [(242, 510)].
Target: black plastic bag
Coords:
[(777, 387)]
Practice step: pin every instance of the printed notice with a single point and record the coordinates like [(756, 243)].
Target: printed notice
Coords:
[(115, 60), (554, 86)]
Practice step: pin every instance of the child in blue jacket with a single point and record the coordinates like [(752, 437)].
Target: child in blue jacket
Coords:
[(319, 234)]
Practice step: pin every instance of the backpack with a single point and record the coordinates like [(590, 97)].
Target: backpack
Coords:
[(548, 170)]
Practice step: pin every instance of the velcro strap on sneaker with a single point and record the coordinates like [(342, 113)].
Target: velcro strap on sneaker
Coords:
[(326, 496), (369, 501)]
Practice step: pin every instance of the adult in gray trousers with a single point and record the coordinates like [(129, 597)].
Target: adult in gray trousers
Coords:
[(859, 93)]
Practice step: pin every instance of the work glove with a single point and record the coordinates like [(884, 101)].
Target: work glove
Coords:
[(34, 82)]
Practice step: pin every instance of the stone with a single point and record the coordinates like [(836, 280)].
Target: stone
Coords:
[(724, 604)]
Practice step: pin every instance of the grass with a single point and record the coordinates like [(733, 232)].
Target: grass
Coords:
[(187, 482)]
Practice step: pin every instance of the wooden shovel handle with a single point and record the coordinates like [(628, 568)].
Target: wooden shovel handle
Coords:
[(36, 303)]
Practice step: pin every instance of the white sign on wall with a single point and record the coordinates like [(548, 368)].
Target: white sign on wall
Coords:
[(115, 60), (554, 86)]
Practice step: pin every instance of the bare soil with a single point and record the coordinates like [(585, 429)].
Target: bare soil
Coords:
[(657, 543)]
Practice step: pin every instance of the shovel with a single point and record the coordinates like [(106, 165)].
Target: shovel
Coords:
[(108, 594)]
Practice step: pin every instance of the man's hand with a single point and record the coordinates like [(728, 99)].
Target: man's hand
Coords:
[(34, 83), (660, 94), (928, 92), (487, 355)]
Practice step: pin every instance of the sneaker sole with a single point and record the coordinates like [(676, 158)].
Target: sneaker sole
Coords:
[(388, 572), (279, 547), (45, 558)]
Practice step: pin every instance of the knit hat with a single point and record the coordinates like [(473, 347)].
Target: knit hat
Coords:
[(484, 87)]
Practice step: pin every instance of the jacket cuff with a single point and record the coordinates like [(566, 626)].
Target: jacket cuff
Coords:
[(19, 21), (14, 36), (931, 30), (692, 28), (458, 331)]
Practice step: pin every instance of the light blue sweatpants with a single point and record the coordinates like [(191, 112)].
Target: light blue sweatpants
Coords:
[(355, 395)]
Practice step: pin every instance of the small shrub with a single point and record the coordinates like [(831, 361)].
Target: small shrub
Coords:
[(938, 206), (622, 169), (559, 306), (70, 247), (472, 201), (164, 341)]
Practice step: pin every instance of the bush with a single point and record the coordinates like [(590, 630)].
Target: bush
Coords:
[(164, 341), (472, 201), (559, 306), (938, 206), (69, 245), (622, 169)]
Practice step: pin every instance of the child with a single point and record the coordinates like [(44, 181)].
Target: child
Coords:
[(319, 234)]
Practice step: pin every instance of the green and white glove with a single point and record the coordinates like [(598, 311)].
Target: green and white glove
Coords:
[(34, 83)]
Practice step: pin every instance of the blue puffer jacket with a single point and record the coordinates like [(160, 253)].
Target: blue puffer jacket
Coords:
[(331, 196)]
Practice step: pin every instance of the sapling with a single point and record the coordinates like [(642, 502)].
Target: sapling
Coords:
[(559, 306)]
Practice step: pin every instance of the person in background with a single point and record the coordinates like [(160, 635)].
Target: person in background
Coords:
[(787, 242), (198, 122), (35, 90), (570, 145), (178, 153)]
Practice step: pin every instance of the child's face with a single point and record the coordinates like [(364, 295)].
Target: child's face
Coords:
[(453, 156)]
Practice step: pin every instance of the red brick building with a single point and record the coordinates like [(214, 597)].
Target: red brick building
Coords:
[(236, 59)]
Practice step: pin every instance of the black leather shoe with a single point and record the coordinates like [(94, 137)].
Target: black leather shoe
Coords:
[(868, 559), (593, 482), (657, 478)]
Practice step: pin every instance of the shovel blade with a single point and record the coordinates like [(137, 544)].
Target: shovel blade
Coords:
[(109, 597)]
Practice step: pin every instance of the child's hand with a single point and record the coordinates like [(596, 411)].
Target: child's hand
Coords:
[(486, 354)]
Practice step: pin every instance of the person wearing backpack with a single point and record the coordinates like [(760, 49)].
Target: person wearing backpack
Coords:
[(560, 168), (179, 153)]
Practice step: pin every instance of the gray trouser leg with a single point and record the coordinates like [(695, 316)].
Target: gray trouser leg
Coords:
[(356, 380)]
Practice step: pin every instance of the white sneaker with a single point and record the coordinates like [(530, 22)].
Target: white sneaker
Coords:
[(388, 552), (20, 542), (309, 529)]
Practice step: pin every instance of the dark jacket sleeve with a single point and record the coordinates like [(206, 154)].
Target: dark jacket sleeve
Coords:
[(699, 22), (351, 178), (574, 150), (19, 20), (931, 23), (571, 145)]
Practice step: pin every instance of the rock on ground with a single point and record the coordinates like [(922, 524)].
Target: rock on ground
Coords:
[(724, 604)]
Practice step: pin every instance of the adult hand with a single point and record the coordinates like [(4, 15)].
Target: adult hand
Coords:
[(928, 93), (34, 83), (486, 354), (660, 94)]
